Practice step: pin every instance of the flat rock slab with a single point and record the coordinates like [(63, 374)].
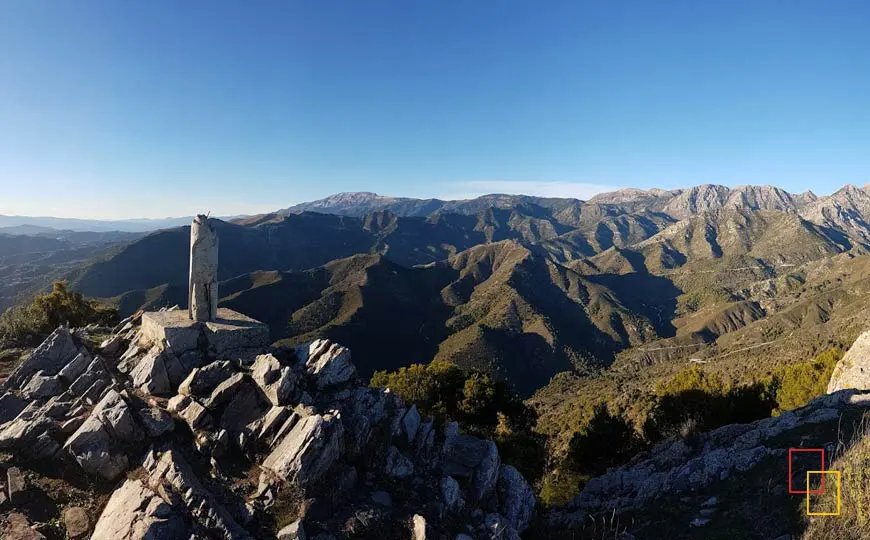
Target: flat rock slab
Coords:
[(230, 331)]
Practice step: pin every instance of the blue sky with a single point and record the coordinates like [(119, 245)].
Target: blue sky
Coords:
[(148, 109)]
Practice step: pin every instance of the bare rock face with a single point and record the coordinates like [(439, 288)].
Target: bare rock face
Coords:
[(853, 370), (294, 531), (202, 381), (98, 444), (42, 386), (308, 450), (329, 363), (451, 493), (397, 464), (278, 382), (516, 498), (50, 357), (307, 425), (136, 512), (173, 477), (150, 375)]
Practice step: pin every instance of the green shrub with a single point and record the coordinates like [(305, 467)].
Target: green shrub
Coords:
[(29, 325), (560, 485), (704, 401), (483, 406), (606, 441), (800, 383), (692, 378)]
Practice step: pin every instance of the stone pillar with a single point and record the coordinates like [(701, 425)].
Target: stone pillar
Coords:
[(202, 296)]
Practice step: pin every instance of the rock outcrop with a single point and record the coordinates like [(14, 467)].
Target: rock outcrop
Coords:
[(676, 468), (224, 444), (853, 370)]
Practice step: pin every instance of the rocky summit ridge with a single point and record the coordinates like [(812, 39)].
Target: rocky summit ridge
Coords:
[(177, 437)]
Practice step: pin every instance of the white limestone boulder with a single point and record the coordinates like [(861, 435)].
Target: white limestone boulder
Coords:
[(853, 370), (278, 382), (135, 512), (516, 498), (308, 450), (329, 363), (50, 357)]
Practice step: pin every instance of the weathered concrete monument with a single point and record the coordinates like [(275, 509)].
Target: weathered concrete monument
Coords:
[(202, 294), (219, 333)]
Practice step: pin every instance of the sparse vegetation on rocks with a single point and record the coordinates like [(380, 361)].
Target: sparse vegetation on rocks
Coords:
[(27, 326)]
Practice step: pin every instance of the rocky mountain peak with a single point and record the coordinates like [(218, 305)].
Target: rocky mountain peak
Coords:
[(202, 433), (760, 198), (703, 198)]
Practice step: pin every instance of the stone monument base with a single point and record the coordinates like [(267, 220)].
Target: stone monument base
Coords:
[(231, 333)]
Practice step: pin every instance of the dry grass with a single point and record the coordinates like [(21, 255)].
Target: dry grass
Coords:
[(853, 523)]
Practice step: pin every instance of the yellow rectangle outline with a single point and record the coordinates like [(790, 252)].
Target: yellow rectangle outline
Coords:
[(837, 513)]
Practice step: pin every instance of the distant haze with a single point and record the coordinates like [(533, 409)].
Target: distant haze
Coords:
[(73, 224)]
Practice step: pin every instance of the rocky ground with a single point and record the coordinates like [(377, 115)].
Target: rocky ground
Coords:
[(729, 483), (181, 437)]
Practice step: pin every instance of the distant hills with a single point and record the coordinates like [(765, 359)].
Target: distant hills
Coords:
[(34, 223), (524, 287)]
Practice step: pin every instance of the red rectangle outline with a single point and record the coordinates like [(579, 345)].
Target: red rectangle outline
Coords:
[(804, 492)]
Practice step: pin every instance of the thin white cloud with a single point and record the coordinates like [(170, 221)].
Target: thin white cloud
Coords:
[(576, 190)]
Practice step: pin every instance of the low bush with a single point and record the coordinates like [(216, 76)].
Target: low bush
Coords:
[(483, 406), (798, 384), (606, 441), (28, 325)]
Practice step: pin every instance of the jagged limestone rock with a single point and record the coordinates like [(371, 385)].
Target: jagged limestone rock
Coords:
[(135, 512), (278, 382), (41, 385), (516, 498), (97, 444), (10, 407), (201, 381), (486, 475), (398, 465), (411, 422), (155, 421), (496, 527), (329, 363), (75, 367), (853, 370), (293, 531), (95, 451), (308, 450), (15, 485), (225, 390), (171, 474), (114, 413), (202, 298), (50, 357), (150, 374), (293, 439), (451, 493)]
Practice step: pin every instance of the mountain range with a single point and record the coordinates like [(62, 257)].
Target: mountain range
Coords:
[(523, 287)]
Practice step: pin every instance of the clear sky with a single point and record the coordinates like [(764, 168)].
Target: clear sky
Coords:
[(157, 108)]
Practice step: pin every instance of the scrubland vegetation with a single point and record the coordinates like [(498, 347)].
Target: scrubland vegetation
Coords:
[(690, 402), (28, 325)]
